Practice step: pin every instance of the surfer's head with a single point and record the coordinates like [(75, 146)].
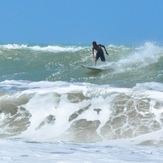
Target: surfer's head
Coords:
[(94, 43)]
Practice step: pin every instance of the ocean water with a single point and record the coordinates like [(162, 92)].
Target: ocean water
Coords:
[(54, 110)]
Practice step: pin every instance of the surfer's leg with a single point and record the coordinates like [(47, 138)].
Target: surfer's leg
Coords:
[(102, 57), (97, 57)]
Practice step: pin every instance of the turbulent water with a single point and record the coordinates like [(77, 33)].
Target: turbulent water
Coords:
[(47, 97)]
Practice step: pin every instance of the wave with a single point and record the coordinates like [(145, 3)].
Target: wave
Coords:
[(138, 58), (48, 48), (125, 65), (81, 112)]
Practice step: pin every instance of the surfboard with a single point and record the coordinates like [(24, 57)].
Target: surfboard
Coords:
[(92, 67)]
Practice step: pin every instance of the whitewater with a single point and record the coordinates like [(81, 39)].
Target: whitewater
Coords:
[(54, 110)]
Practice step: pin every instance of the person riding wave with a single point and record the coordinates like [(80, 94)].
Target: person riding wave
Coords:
[(100, 53)]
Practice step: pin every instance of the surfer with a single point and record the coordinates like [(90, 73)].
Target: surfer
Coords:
[(100, 53)]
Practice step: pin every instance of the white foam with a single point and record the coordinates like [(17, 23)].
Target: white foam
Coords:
[(139, 58), (51, 98), (149, 86), (43, 103), (56, 48)]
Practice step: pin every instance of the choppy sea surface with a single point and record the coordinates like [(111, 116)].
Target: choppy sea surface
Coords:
[(54, 110)]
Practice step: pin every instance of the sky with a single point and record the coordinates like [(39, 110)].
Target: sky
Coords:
[(81, 21)]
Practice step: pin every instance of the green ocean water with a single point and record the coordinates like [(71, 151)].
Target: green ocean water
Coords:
[(126, 65)]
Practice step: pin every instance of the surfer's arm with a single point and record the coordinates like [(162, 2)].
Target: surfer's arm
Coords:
[(93, 52), (93, 55), (104, 49)]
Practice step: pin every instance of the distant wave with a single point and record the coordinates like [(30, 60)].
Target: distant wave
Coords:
[(48, 48)]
